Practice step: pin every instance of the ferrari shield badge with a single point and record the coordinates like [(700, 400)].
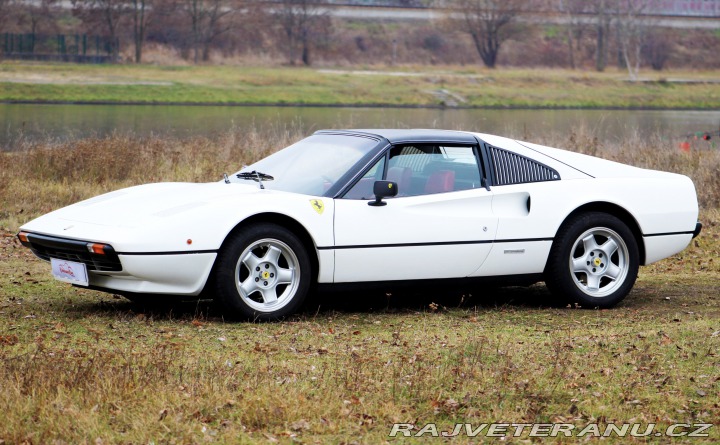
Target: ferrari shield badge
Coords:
[(317, 205)]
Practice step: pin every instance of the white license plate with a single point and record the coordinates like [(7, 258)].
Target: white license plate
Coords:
[(69, 271)]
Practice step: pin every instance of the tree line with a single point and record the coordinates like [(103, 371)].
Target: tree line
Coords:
[(299, 26), (194, 25), (492, 22)]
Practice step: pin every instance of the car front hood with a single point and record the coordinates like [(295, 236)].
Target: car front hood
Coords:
[(147, 204), (175, 217)]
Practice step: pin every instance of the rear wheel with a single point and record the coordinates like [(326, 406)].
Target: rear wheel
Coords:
[(262, 273), (594, 260)]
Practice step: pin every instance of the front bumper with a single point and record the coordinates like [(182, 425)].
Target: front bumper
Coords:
[(152, 273), (177, 274)]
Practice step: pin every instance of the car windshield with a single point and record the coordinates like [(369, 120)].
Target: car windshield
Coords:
[(310, 166)]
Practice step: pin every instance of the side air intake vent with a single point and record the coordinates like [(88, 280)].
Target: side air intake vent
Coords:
[(511, 168)]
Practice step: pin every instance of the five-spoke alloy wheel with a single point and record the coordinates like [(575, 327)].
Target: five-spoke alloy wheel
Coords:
[(599, 261), (262, 273), (593, 261)]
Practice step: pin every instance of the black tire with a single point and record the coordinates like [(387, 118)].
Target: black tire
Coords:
[(275, 286), (578, 269)]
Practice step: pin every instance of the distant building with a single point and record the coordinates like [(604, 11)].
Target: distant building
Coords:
[(694, 8), (385, 3), (683, 8)]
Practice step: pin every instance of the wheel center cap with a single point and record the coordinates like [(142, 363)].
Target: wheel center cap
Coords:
[(265, 275), (597, 262)]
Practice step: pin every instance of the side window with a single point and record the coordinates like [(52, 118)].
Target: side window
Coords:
[(422, 170), (428, 169), (363, 189)]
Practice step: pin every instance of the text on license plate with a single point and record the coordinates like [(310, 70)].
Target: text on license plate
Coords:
[(69, 271)]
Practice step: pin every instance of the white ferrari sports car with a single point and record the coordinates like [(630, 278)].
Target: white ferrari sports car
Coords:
[(376, 206)]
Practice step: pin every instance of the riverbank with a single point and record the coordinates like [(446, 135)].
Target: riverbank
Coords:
[(407, 86)]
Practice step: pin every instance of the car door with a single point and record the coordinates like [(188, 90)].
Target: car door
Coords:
[(440, 225)]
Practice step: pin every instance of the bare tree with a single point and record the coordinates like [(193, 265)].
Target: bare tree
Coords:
[(578, 18), (39, 14), (209, 19), (299, 19), (5, 10), (105, 15), (488, 23), (141, 11), (633, 25), (603, 19), (573, 10), (657, 48)]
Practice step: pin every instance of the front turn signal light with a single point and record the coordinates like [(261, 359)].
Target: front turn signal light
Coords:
[(23, 236), (98, 249)]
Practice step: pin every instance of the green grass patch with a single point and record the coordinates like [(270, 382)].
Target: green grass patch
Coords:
[(523, 88)]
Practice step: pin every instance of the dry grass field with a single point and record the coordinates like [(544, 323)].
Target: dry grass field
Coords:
[(78, 366)]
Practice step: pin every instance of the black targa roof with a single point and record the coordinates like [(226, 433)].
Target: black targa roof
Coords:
[(410, 136)]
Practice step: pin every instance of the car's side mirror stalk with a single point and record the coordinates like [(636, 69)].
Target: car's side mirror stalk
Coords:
[(383, 189)]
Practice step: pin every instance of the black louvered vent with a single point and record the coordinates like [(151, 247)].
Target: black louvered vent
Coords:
[(510, 168)]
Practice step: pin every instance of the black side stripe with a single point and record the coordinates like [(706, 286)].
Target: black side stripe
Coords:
[(378, 246), (522, 240), (180, 252), (440, 243), (669, 234)]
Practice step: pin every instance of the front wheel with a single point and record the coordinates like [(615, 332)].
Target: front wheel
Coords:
[(594, 260), (262, 273)]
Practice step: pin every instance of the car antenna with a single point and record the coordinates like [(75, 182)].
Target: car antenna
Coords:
[(225, 177)]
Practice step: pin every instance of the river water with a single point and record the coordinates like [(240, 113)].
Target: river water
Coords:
[(68, 122)]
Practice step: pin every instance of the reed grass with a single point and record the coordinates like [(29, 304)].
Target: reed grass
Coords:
[(40, 176)]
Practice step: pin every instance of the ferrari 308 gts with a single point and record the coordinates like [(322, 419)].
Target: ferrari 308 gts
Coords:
[(376, 206)]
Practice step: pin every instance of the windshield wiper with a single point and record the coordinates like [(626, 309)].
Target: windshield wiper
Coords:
[(255, 176)]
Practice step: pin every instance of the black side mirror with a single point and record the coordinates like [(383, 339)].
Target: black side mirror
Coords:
[(383, 189)]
